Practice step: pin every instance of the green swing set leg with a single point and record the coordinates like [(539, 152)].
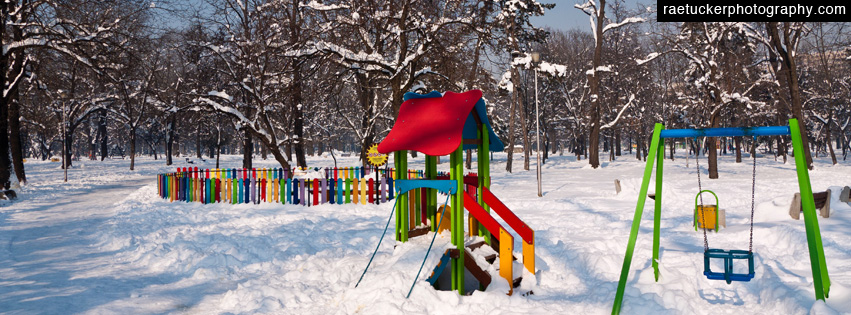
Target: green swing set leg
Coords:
[(639, 209), (821, 281), (657, 207)]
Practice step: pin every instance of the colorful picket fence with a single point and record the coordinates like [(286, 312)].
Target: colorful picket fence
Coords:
[(277, 185)]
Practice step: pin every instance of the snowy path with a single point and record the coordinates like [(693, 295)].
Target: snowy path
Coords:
[(50, 260)]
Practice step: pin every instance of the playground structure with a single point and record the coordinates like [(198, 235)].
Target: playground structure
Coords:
[(821, 281), (438, 125)]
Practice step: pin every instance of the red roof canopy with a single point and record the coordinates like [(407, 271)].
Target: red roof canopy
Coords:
[(433, 126)]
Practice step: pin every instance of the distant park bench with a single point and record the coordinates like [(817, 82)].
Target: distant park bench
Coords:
[(822, 202)]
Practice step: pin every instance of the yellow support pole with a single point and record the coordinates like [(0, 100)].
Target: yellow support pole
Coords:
[(506, 258), (529, 254)]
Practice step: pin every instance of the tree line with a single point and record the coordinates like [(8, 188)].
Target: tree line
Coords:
[(96, 79)]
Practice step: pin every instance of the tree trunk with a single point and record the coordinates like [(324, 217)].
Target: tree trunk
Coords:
[(5, 158), (829, 145), (594, 83), (527, 147), (611, 147), (281, 159), (247, 150), (639, 143), (781, 148), (618, 144), (5, 161), (198, 141), (218, 153), (365, 98), (169, 139), (104, 135), (12, 98), (132, 148), (298, 120), (153, 147), (15, 138), (511, 118), (92, 140), (629, 144), (672, 148), (69, 141), (738, 142), (712, 156), (548, 145), (788, 65)]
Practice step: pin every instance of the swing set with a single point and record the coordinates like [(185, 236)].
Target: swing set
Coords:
[(706, 217)]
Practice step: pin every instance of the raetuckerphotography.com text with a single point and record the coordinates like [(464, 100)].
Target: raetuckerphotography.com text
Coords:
[(694, 11)]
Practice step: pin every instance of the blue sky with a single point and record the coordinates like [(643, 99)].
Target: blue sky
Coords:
[(564, 16)]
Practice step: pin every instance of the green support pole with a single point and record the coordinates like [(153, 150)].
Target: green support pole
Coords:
[(403, 198), (456, 173), (657, 213), (639, 209), (397, 175), (821, 281), (484, 174), (431, 194)]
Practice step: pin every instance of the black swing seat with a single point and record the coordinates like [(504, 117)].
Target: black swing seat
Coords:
[(728, 256)]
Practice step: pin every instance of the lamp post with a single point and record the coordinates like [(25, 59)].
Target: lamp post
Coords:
[(536, 61)]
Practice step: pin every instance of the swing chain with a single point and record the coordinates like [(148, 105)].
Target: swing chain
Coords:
[(753, 193), (700, 190)]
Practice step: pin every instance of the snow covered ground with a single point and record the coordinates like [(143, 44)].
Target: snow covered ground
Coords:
[(105, 243)]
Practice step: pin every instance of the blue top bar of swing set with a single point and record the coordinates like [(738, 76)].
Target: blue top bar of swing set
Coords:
[(726, 132)]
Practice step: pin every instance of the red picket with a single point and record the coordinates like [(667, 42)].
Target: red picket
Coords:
[(371, 190), (315, 192)]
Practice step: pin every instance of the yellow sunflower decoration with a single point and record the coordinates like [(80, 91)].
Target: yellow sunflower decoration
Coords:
[(374, 157)]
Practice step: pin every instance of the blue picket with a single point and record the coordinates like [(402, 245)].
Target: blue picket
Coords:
[(323, 190), (383, 190), (289, 191)]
